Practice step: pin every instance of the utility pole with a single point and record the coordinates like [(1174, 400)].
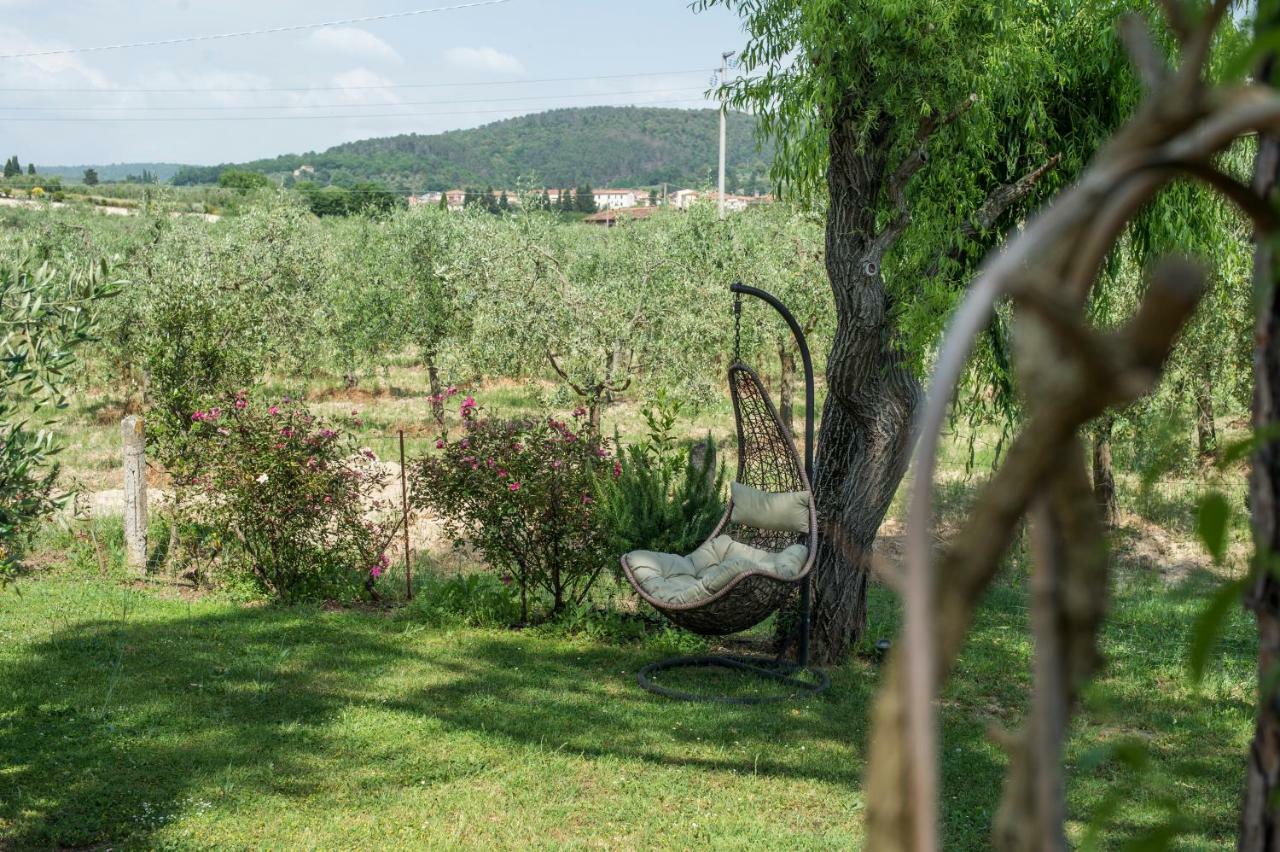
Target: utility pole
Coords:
[(724, 112)]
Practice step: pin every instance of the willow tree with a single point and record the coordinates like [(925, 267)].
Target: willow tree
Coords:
[(924, 127)]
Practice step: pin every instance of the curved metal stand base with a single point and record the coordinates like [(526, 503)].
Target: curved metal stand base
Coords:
[(779, 671)]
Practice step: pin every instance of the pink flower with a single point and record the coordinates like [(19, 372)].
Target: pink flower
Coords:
[(240, 403), (586, 500), (375, 572), (197, 416), (468, 406), (214, 413), (617, 469), (287, 432), (502, 474), (515, 486), (273, 410), (489, 461), (223, 431), (601, 452), (435, 397), (579, 412), (439, 444), (465, 443), (555, 465), (328, 499), (517, 447), (451, 391)]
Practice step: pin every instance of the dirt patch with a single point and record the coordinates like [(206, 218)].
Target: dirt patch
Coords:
[(361, 395), (1151, 547)]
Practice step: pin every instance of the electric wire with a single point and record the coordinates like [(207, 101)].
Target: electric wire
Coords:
[(257, 89)]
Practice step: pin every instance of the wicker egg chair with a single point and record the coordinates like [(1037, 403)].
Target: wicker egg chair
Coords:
[(767, 461)]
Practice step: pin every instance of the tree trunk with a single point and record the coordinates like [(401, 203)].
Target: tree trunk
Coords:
[(1260, 816), (1206, 433), (864, 443), (437, 392), (595, 407), (1104, 480), (786, 385)]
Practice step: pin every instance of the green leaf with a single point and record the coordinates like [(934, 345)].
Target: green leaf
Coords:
[(1208, 625), (1211, 524)]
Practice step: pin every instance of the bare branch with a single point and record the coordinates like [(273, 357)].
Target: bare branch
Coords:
[(555, 365), (1195, 52), (1147, 59), (1179, 22), (915, 160), (997, 203)]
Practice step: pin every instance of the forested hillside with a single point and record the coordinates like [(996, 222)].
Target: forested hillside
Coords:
[(602, 146), (113, 171)]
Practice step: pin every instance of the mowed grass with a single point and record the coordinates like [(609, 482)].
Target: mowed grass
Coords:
[(134, 718)]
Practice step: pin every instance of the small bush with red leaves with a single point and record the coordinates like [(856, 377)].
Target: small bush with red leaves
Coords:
[(290, 497), (521, 493)]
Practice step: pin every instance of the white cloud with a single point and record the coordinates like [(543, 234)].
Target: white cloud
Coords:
[(54, 72), (351, 41), (483, 59)]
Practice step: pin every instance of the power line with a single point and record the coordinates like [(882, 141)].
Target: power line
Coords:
[(26, 108), (348, 116), (101, 91), (269, 31)]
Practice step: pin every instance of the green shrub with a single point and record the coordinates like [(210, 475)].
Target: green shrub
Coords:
[(47, 313), (521, 492), (287, 496), (469, 600), (666, 498)]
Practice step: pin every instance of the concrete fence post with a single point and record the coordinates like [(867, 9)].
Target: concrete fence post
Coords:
[(134, 439)]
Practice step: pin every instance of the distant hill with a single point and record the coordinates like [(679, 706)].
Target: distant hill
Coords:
[(602, 146), (113, 171)]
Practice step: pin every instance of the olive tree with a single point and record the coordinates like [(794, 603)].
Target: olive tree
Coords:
[(46, 313)]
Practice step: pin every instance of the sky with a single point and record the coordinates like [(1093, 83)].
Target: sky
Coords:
[(422, 73)]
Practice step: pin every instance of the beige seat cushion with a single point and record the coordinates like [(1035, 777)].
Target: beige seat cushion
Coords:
[(676, 579), (788, 510)]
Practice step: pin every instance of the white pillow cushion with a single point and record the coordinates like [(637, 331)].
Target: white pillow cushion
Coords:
[(788, 510)]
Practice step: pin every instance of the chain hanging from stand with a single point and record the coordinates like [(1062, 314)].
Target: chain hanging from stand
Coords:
[(737, 326)]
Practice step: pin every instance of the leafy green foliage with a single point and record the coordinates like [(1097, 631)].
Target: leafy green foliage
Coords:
[(522, 493), (608, 146), (471, 600), (668, 497), (211, 312), (288, 497), (245, 181), (46, 313)]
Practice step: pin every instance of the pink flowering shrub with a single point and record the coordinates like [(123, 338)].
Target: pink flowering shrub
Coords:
[(521, 492), (291, 497)]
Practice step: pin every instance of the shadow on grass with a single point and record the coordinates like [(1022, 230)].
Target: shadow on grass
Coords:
[(117, 727)]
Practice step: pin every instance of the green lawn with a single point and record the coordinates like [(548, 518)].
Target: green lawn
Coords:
[(139, 719)]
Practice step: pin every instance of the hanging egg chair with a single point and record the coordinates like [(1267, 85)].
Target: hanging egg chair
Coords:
[(762, 551)]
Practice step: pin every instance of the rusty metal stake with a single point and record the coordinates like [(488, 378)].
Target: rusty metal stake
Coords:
[(404, 508)]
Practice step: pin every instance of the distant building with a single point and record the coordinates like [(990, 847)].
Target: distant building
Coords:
[(426, 199), (304, 170), (685, 198), (616, 199), (610, 217)]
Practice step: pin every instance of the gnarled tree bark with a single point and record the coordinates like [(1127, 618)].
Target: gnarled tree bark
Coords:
[(864, 442), (1260, 815)]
